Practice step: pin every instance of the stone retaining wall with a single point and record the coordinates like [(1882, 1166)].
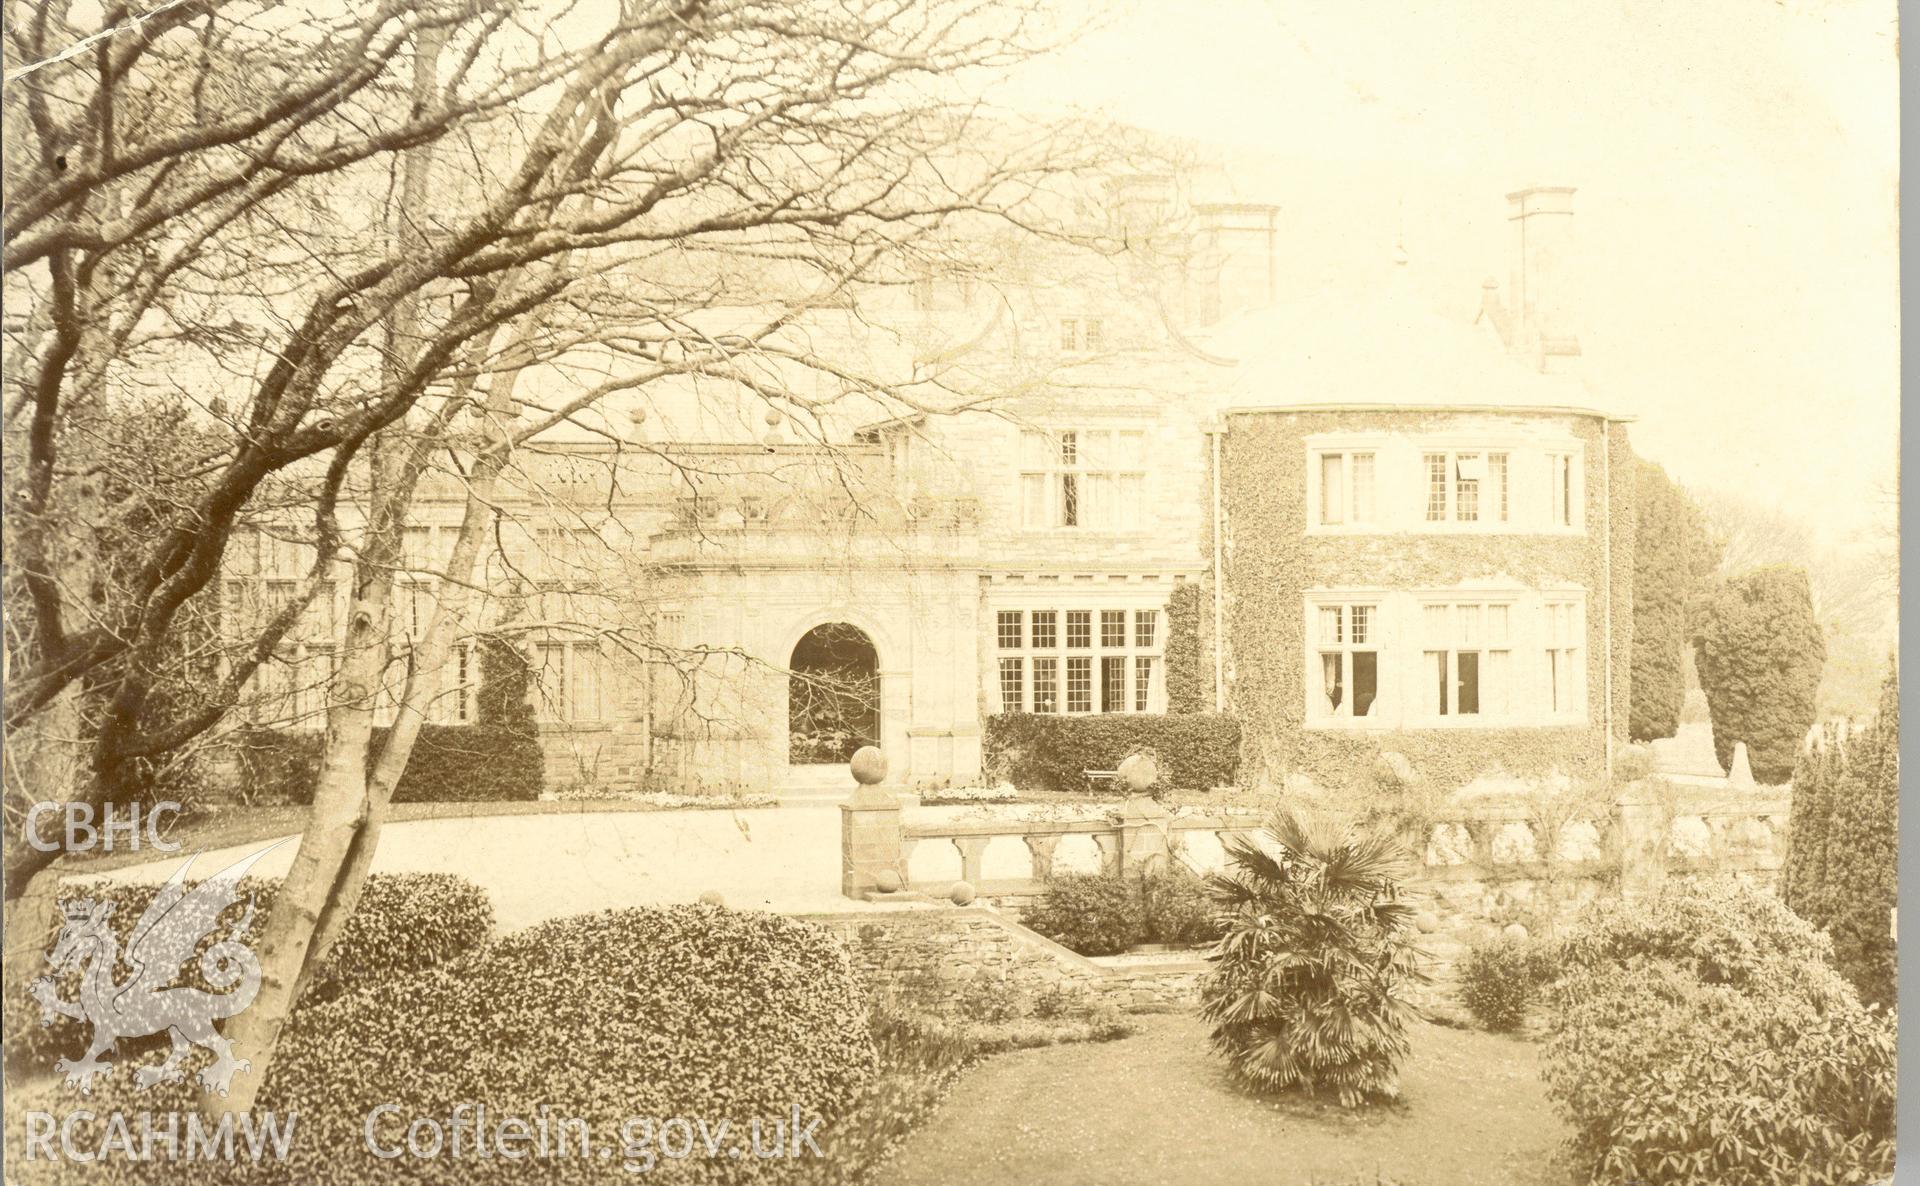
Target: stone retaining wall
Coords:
[(933, 955)]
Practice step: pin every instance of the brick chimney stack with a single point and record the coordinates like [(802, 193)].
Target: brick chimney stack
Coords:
[(1235, 252), (1539, 317)]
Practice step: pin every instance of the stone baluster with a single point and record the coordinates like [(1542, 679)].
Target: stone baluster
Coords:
[(973, 851), (1041, 847)]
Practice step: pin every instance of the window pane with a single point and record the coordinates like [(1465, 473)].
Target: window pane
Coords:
[(1466, 491), (1436, 487), (1360, 625), (1080, 684), (1046, 631), (1126, 512), (1145, 624), (1009, 629), (1079, 628), (1069, 500), (1437, 683), (1133, 450), (1046, 686), (1494, 684), (1436, 620), (1096, 501), (1497, 487), (1011, 685), (1496, 624), (550, 696), (1467, 617), (1330, 621), (1366, 681), (1142, 682), (1332, 687), (1069, 448), (584, 697), (1092, 333), (1362, 509), (1033, 500), (1113, 683), (1331, 480), (1069, 334), (1113, 628), (1036, 450), (1468, 695)]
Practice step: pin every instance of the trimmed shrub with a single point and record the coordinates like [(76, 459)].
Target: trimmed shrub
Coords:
[(1701, 1038), (1760, 654), (1499, 981), (1307, 987), (1186, 685), (1091, 913), (449, 764), (405, 922), (1178, 909), (1842, 869), (685, 1011), (1049, 751), (1673, 560)]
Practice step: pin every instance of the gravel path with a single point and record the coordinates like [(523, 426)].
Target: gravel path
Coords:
[(1157, 1108)]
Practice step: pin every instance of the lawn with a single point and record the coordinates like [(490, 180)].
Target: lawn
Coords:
[(1158, 1108)]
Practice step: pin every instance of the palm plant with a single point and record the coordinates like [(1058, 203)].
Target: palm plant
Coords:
[(1307, 988)]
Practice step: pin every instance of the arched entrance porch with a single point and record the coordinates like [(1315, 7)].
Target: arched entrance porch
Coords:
[(833, 695)]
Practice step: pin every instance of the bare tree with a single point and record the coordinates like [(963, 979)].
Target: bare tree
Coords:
[(316, 250)]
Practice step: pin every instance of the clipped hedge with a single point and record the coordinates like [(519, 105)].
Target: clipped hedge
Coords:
[(449, 763), (1046, 751), (405, 923), (695, 1012), (1702, 1037), (1760, 654), (1105, 913)]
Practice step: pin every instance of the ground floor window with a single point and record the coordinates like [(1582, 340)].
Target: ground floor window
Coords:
[(1414, 659), (571, 682), (1077, 660)]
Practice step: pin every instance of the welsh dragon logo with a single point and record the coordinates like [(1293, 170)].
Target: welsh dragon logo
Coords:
[(147, 1001)]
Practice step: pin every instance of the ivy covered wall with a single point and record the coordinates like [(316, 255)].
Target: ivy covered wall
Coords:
[(1270, 563)]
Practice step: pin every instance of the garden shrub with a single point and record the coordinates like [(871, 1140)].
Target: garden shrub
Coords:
[(681, 1011), (1050, 751), (1842, 868), (1091, 913), (449, 763), (1701, 1037), (1760, 654), (1178, 910), (404, 923), (1308, 982), (1500, 980)]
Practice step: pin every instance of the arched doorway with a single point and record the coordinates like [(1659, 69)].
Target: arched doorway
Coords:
[(833, 695)]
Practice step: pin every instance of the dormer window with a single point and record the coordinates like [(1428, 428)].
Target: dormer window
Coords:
[(1080, 335)]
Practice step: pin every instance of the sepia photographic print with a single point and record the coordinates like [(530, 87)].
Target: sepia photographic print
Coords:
[(950, 592)]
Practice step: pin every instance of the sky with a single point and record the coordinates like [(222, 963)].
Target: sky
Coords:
[(1736, 166)]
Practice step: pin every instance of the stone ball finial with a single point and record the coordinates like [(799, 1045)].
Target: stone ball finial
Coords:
[(869, 766), (961, 894), (887, 881), (1138, 772), (773, 417)]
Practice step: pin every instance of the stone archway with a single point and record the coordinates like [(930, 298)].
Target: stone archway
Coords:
[(833, 695)]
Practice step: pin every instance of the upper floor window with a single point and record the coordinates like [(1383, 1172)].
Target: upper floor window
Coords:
[(1563, 495), (1466, 486), (1078, 477), (1080, 335), (1346, 488)]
